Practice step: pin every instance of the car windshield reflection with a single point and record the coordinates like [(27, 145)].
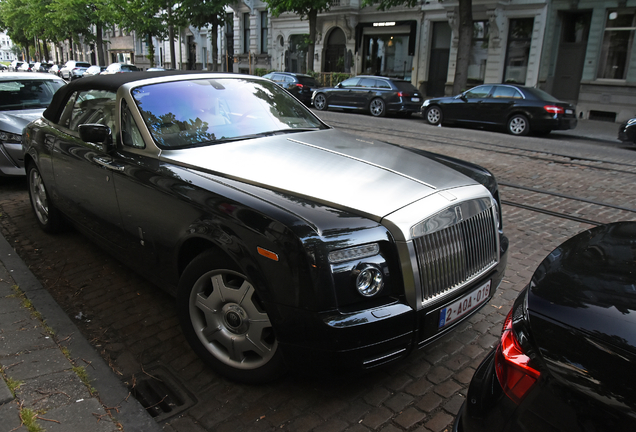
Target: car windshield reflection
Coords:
[(191, 113), (25, 94)]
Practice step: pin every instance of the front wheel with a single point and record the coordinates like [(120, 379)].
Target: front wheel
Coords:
[(377, 108), (225, 321), (320, 102), (48, 217), (518, 125), (434, 115)]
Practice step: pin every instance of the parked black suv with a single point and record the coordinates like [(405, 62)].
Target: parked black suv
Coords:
[(300, 85)]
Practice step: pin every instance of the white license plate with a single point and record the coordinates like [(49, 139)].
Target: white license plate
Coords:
[(415, 99), (464, 305), (569, 112)]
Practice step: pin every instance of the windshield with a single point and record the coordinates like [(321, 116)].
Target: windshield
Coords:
[(207, 111), (25, 94)]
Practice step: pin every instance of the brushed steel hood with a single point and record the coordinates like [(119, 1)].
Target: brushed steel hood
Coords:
[(328, 166)]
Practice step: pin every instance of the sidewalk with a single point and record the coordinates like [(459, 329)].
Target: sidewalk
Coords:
[(47, 366), (593, 130)]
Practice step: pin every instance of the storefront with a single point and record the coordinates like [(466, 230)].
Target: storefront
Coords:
[(387, 47)]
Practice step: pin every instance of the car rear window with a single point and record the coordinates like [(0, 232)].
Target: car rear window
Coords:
[(129, 68), (540, 94), (405, 86), (307, 81), (81, 64)]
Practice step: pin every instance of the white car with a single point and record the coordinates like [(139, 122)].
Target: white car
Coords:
[(74, 69)]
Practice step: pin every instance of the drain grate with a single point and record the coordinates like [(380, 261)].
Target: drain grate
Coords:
[(162, 394)]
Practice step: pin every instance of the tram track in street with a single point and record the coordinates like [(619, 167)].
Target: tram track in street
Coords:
[(557, 158), (533, 204)]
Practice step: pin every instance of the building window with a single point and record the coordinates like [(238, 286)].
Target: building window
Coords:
[(204, 57), (617, 44), (246, 33), (264, 25), (478, 53), (518, 50)]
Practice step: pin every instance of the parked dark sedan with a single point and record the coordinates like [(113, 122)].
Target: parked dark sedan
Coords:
[(207, 184), (377, 95), (300, 85), (627, 131), (567, 355), (519, 109)]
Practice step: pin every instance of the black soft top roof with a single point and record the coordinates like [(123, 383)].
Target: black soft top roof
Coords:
[(102, 82)]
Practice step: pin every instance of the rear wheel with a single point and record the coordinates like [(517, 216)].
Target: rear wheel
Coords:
[(225, 321), (377, 108), (49, 218), (518, 125), (320, 102), (434, 115)]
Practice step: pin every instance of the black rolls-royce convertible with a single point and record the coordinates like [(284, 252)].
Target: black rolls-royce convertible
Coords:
[(284, 240)]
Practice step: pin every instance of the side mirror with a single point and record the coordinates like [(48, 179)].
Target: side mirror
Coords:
[(339, 85), (97, 134), (463, 97)]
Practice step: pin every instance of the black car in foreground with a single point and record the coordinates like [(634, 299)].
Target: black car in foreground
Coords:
[(206, 184), (300, 85), (521, 110), (627, 131), (566, 361), (376, 95)]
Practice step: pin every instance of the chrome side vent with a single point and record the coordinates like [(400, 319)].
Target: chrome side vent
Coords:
[(452, 257)]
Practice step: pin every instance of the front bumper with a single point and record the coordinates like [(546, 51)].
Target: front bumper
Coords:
[(8, 166), (362, 340)]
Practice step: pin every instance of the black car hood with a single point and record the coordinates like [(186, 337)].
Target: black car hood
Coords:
[(582, 314), (589, 283)]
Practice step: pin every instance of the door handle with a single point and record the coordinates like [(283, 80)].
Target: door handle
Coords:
[(108, 163)]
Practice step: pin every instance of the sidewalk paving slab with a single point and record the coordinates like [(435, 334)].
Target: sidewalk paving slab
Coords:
[(43, 378)]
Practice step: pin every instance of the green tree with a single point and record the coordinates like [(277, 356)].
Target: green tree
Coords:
[(15, 20), (148, 18), (305, 9), (202, 13), (465, 30)]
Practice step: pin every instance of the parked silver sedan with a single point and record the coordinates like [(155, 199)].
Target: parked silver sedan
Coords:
[(23, 97)]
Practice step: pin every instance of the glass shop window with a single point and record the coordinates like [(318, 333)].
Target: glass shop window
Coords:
[(617, 44)]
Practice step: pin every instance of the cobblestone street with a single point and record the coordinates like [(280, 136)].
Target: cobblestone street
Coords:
[(135, 328)]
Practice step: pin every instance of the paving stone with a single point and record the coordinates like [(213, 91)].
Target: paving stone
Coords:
[(398, 401), (76, 417), (53, 391), (35, 363)]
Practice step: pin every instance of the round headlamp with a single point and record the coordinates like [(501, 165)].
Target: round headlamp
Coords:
[(370, 281)]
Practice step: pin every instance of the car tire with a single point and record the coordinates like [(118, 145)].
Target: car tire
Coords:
[(377, 107), (47, 215), (225, 323), (320, 102), (518, 125), (434, 115)]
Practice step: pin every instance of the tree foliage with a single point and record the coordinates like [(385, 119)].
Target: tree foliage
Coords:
[(203, 13), (305, 9)]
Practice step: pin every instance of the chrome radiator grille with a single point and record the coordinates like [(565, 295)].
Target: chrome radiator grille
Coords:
[(451, 257)]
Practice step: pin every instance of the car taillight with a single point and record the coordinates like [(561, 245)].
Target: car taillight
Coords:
[(403, 94), (514, 373), (299, 85), (553, 109)]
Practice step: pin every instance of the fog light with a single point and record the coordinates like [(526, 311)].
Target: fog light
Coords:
[(370, 281)]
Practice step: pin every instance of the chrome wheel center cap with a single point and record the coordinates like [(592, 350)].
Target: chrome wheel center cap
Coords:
[(235, 318)]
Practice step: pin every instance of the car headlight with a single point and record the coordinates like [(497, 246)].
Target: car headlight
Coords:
[(369, 281), (353, 253), (426, 102), (9, 137), (631, 121)]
